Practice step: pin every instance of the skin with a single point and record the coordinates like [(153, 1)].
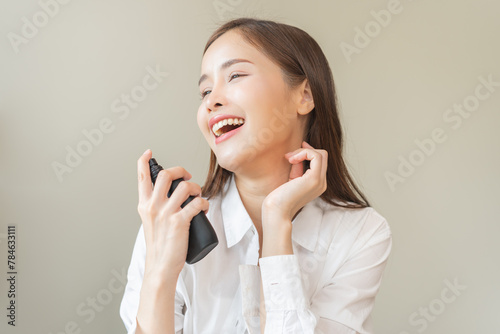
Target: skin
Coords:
[(268, 173)]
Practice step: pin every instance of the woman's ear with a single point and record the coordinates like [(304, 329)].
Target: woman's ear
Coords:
[(306, 102)]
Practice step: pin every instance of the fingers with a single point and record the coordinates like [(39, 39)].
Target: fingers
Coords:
[(304, 143), (164, 182), (324, 159), (194, 207), (162, 185), (145, 184), (297, 170), (292, 153), (324, 166), (314, 158), (318, 161), (181, 194), (144, 178)]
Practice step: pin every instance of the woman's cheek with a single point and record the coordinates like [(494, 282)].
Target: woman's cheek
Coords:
[(200, 121)]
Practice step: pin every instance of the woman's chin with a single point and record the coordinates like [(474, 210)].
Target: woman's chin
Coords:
[(230, 160), (239, 160)]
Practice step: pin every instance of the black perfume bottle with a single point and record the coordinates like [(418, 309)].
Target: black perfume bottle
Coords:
[(202, 237)]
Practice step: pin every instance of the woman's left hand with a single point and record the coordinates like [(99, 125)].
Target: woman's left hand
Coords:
[(286, 200)]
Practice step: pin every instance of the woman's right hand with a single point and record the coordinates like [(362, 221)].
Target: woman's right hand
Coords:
[(166, 224)]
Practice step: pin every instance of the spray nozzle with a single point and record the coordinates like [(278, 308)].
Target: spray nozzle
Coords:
[(154, 169)]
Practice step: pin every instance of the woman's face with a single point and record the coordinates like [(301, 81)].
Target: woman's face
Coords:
[(252, 90)]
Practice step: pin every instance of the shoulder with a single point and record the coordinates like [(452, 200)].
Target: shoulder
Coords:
[(367, 217), (357, 227)]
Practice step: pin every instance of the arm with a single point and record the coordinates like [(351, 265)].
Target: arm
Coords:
[(160, 251), (342, 305), (149, 300), (156, 306)]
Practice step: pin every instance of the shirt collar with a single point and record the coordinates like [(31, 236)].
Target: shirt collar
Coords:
[(237, 222)]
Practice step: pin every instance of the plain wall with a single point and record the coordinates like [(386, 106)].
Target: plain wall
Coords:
[(399, 88)]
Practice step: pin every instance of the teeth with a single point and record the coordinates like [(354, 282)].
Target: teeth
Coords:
[(230, 121)]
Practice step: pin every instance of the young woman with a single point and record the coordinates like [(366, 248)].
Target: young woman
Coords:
[(300, 249)]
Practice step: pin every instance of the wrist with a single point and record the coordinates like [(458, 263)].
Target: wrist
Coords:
[(154, 266), (277, 240), (158, 279), (156, 286), (274, 218), (276, 223)]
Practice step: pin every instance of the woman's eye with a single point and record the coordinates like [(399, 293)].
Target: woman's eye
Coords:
[(235, 75), (203, 94)]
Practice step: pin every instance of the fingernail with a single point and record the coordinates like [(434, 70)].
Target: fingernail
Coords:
[(146, 151)]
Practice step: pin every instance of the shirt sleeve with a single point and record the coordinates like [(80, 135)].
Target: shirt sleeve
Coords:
[(130, 301), (250, 281), (342, 306)]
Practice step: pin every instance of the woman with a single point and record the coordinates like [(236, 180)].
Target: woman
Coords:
[(300, 249)]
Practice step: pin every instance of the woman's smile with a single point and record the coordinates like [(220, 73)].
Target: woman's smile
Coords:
[(228, 134)]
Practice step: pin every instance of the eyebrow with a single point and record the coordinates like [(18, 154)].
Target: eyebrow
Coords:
[(225, 65)]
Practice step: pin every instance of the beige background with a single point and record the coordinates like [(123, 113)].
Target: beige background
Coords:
[(75, 235)]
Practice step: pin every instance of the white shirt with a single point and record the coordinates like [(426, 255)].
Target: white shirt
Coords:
[(328, 285)]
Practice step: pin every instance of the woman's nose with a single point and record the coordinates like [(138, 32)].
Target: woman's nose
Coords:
[(215, 99)]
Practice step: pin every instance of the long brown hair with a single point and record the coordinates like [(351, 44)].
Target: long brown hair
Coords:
[(300, 57)]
